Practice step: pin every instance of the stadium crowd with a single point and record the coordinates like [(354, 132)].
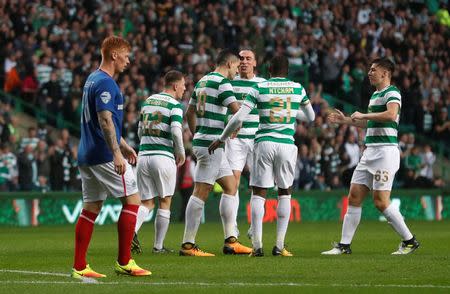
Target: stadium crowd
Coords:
[(49, 47)]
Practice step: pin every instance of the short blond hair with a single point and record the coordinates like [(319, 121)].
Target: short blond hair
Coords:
[(114, 43)]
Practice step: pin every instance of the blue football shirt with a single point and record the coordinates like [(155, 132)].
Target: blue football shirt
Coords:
[(100, 93)]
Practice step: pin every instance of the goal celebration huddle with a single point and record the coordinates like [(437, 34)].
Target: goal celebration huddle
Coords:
[(238, 119)]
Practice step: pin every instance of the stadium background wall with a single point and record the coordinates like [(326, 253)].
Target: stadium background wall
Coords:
[(33, 208)]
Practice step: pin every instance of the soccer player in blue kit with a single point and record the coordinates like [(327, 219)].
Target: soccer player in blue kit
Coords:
[(104, 160)]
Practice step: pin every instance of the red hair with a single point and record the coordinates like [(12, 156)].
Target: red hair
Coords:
[(114, 43)]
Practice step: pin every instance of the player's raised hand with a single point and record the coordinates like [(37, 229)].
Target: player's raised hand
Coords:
[(180, 159), (214, 145), (336, 117), (357, 115)]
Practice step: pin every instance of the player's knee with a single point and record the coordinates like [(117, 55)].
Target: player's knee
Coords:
[(380, 204), (230, 190), (149, 204), (133, 199), (164, 203), (201, 190), (287, 191), (228, 185), (94, 207), (354, 200), (259, 191)]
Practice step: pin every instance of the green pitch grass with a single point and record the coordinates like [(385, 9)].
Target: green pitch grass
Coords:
[(38, 260)]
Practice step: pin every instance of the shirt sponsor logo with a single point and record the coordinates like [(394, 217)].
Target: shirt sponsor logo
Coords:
[(105, 96)]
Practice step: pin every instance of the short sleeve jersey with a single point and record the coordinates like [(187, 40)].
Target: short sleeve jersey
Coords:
[(383, 133), (278, 101), (159, 114), (100, 93), (211, 97), (241, 87)]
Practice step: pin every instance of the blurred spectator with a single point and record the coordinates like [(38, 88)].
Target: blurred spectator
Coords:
[(413, 161), (12, 76), (4, 130), (51, 96), (130, 128), (30, 140), (43, 70), (331, 161), (43, 132), (304, 169), (347, 84), (186, 181), (27, 168), (43, 166), (57, 155), (9, 161), (75, 177), (442, 126), (331, 65), (427, 158), (30, 87), (350, 158)]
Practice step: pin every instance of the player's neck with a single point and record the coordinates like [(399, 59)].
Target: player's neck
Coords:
[(221, 70), (169, 92), (382, 85), (247, 76), (107, 68)]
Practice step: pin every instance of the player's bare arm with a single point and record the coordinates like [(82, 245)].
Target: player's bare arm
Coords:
[(234, 107), (180, 155), (191, 118), (386, 116), (233, 125), (109, 134), (337, 117)]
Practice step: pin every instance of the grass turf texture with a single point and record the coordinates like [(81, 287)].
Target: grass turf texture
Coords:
[(370, 268)]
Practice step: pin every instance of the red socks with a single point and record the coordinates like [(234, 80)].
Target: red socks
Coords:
[(85, 227), (125, 227), (83, 234)]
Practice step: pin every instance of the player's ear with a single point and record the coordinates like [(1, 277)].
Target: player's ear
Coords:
[(113, 55)]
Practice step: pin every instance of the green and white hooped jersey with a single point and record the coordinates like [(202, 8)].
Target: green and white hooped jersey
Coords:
[(278, 101), (241, 88), (211, 97), (158, 114), (383, 133)]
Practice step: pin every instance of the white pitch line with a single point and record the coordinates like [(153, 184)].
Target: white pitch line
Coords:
[(203, 284), (34, 273)]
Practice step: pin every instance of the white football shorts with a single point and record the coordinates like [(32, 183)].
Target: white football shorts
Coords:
[(156, 176), (210, 167), (239, 152), (99, 181), (377, 167), (273, 162)]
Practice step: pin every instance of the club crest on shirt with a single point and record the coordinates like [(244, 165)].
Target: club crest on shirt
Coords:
[(105, 96)]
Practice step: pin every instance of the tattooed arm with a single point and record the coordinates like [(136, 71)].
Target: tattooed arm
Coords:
[(109, 134)]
